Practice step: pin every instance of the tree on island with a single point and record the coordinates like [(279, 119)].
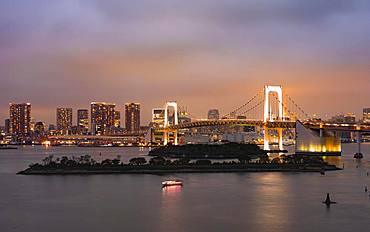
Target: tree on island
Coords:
[(203, 162), (157, 160), (137, 161), (244, 159)]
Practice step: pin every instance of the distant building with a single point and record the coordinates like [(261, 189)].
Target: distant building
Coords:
[(184, 117), (83, 118), (158, 117), (366, 115), (39, 133), (350, 118), (64, 120), (132, 117), (102, 118), (7, 126), (117, 119), (20, 121), (213, 114), (52, 127)]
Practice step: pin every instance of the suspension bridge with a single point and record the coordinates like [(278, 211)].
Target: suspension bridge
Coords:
[(270, 109)]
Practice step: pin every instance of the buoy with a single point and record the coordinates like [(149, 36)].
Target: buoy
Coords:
[(327, 201)]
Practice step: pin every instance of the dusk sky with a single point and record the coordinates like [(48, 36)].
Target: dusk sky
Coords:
[(204, 53)]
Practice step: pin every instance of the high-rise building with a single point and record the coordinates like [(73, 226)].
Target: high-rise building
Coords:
[(213, 114), (117, 119), (83, 119), (132, 117), (366, 115), (102, 117), (350, 118), (64, 120), (20, 121), (158, 117), (39, 132), (7, 126)]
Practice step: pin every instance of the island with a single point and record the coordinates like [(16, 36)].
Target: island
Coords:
[(190, 159)]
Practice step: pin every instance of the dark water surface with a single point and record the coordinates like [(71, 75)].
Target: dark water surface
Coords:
[(286, 202)]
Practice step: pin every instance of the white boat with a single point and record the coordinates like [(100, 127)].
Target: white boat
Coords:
[(168, 183)]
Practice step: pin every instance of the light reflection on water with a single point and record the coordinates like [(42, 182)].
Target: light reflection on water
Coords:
[(268, 201)]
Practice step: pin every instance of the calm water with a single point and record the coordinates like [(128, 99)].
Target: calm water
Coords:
[(207, 202)]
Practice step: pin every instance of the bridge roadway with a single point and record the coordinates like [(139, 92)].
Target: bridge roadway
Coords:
[(272, 125)]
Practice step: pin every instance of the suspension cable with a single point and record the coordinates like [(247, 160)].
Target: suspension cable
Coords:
[(242, 106)]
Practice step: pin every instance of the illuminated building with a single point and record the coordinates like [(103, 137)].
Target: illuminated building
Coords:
[(102, 118), (350, 118), (158, 122), (82, 121), (20, 121), (117, 119), (132, 117), (7, 126), (158, 117), (39, 133), (213, 114), (64, 120), (310, 142), (366, 115)]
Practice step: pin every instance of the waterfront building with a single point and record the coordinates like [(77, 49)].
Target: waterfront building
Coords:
[(132, 117), (213, 114), (350, 118), (20, 121), (82, 121), (117, 119), (64, 120), (158, 117), (7, 126), (102, 117), (39, 132), (366, 115), (157, 122), (310, 142)]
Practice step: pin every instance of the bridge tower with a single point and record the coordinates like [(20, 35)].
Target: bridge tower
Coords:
[(268, 116), (167, 123)]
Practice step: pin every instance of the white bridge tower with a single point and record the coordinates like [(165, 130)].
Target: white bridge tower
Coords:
[(268, 116)]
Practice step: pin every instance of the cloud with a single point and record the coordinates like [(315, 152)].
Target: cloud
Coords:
[(199, 52)]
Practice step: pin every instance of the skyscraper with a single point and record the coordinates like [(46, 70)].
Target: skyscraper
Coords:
[(102, 117), (366, 115), (158, 117), (7, 126), (20, 121), (117, 119), (132, 117), (213, 114), (83, 120), (64, 120)]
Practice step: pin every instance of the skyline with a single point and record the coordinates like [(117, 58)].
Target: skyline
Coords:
[(202, 54)]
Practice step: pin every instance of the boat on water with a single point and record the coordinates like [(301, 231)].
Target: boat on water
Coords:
[(358, 155), (169, 183)]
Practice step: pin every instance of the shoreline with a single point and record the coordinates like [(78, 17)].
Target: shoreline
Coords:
[(187, 169)]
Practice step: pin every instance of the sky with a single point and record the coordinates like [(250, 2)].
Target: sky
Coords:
[(202, 53)]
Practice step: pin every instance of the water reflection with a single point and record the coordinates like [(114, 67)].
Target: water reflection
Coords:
[(171, 190), (273, 197), (335, 160)]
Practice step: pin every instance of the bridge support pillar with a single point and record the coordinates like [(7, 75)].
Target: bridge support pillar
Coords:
[(280, 134), (358, 136), (167, 123), (266, 146)]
